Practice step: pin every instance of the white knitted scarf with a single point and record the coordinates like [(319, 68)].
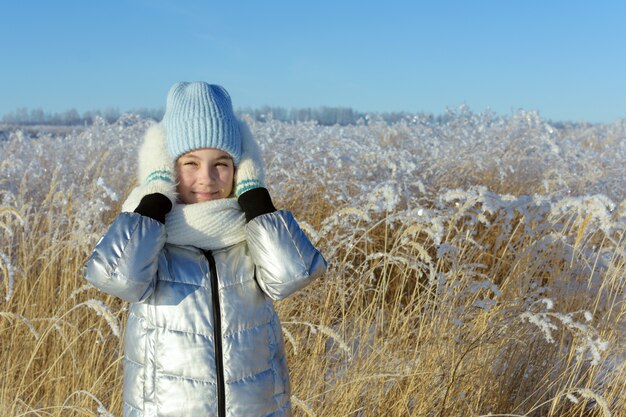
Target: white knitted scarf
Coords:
[(208, 225)]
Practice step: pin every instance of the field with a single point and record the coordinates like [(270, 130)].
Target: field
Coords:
[(476, 266)]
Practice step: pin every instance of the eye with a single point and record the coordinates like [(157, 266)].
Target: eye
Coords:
[(190, 163), (224, 163)]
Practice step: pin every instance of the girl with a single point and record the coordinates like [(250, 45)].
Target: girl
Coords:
[(200, 252)]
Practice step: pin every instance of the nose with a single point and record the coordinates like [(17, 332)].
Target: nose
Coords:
[(206, 176)]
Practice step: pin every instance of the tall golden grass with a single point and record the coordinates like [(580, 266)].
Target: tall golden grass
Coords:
[(482, 311)]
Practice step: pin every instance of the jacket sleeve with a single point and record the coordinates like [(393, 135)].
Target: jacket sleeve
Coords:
[(285, 258), (124, 262)]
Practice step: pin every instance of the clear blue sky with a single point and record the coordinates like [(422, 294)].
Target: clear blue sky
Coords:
[(566, 59)]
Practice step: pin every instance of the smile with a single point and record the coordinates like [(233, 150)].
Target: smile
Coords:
[(206, 195)]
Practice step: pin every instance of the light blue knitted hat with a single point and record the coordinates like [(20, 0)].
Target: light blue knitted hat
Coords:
[(200, 115)]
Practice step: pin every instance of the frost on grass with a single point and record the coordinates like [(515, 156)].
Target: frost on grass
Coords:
[(101, 409), (327, 331), (8, 276), (303, 406), (108, 191), (10, 316), (81, 289), (410, 199), (104, 311), (7, 272), (597, 401), (587, 343)]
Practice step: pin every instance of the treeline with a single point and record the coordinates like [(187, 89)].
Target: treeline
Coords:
[(26, 117), (325, 116)]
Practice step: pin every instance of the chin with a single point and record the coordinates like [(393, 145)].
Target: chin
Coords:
[(211, 198)]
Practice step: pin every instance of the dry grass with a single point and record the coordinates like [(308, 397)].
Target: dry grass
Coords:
[(399, 344), (459, 310)]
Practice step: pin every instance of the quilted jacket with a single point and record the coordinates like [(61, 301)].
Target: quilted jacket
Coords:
[(202, 337)]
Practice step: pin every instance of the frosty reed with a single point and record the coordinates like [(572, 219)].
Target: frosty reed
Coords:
[(477, 266)]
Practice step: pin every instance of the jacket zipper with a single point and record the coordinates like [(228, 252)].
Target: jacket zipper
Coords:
[(217, 336)]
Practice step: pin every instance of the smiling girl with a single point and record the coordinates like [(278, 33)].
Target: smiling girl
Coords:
[(204, 174), (200, 252)]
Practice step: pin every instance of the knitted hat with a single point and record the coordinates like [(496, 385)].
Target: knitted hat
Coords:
[(200, 115)]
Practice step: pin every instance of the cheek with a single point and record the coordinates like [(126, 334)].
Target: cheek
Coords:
[(184, 180), (179, 173), (231, 177), (228, 181), (227, 175)]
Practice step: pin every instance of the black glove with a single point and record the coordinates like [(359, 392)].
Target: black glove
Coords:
[(155, 206), (256, 202)]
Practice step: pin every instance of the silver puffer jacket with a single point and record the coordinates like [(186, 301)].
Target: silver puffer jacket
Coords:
[(203, 338)]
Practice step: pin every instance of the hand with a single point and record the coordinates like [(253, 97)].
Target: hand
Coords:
[(250, 173), (155, 171)]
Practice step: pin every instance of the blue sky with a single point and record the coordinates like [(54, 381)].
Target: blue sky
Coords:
[(565, 59)]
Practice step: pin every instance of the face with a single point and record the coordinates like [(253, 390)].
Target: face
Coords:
[(204, 174)]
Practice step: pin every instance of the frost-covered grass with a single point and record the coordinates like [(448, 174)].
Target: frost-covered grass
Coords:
[(476, 266)]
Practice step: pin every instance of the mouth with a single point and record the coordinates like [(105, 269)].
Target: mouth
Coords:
[(206, 195)]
